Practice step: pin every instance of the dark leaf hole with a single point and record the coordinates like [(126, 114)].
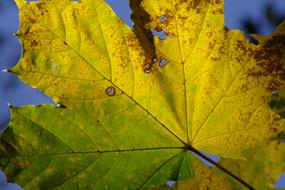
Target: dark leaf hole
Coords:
[(276, 94), (110, 91), (160, 34), (162, 18), (163, 62), (170, 183), (63, 106), (252, 40)]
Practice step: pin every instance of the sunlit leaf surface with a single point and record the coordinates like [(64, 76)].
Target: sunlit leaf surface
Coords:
[(130, 104)]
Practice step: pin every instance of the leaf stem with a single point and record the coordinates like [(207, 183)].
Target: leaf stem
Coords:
[(192, 149)]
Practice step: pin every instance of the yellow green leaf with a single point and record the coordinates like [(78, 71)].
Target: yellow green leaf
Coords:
[(270, 157), (261, 169), (263, 166), (131, 107), (227, 80), (207, 178)]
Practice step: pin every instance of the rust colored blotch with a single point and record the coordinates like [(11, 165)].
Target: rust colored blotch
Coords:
[(273, 129), (110, 91), (147, 68)]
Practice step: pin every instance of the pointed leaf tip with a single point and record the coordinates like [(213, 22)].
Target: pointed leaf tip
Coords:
[(20, 3)]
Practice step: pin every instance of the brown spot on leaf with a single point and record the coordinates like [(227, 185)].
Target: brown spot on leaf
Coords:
[(147, 68), (140, 18), (32, 20), (270, 62), (34, 43), (214, 59), (110, 91), (39, 6), (273, 129), (270, 56), (180, 17)]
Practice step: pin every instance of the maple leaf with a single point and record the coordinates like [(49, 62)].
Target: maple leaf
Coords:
[(132, 106)]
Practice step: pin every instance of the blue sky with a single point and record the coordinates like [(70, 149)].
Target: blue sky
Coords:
[(17, 93)]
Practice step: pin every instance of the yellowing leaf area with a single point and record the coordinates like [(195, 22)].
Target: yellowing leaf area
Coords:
[(133, 107)]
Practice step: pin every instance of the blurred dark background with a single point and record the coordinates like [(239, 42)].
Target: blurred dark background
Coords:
[(250, 16)]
